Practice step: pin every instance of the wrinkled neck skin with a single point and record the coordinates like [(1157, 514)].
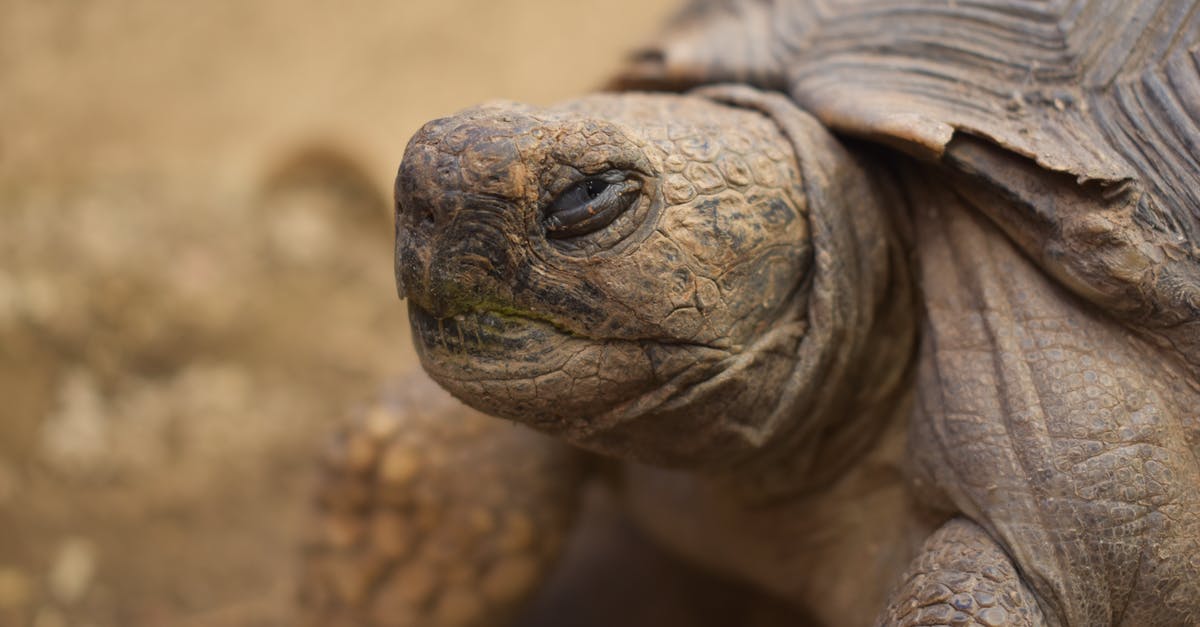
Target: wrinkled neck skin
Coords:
[(748, 315), (850, 335)]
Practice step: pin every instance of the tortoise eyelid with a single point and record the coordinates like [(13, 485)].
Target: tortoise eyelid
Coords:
[(589, 205)]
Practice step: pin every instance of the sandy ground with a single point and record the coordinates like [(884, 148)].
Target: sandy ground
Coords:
[(195, 273)]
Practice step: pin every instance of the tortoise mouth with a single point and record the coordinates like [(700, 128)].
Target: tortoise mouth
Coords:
[(523, 368), (533, 371), (481, 335)]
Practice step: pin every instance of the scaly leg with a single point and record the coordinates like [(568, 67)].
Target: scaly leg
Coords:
[(961, 577), (434, 515)]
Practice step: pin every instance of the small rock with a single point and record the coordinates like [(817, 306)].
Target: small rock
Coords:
[(75, 439), (381, 423), (399, 465), (73, 569)]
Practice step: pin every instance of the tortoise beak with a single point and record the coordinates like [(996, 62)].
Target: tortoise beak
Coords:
[(458, 206)]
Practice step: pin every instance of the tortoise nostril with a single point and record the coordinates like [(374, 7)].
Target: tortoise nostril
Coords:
[(425, 216), (419, 214)]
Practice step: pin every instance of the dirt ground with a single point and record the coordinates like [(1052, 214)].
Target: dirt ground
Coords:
[(195, 271)]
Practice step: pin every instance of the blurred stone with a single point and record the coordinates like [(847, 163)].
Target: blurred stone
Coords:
[(73, 569), (75, 438)]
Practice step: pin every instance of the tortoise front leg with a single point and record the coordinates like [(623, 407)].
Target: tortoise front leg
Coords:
[(431, 514), (961, 577)]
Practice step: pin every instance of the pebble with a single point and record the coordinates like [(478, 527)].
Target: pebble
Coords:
[(381, 423), (73, 569), (399, 465), (360, 452)]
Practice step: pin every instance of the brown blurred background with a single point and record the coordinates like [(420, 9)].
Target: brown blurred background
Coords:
[(195, 271)]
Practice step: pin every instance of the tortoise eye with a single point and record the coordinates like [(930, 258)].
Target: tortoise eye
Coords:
[(590, 204), (595, 187)]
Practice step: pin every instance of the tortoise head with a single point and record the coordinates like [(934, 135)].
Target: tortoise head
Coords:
[(629, 271)]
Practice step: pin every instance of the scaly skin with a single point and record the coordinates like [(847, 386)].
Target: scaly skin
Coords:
[(1065, 436), (961, 577), (743, 330), (697, 328), (432, 515), (585, 337), (748, 319)]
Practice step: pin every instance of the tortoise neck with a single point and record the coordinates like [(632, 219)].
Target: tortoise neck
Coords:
[(864, 391), (855, 362)]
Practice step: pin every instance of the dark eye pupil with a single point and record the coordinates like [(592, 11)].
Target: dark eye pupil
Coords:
[(590, 205), (594, 187)]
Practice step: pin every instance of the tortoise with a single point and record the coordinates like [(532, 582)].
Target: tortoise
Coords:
[(889, 308)]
